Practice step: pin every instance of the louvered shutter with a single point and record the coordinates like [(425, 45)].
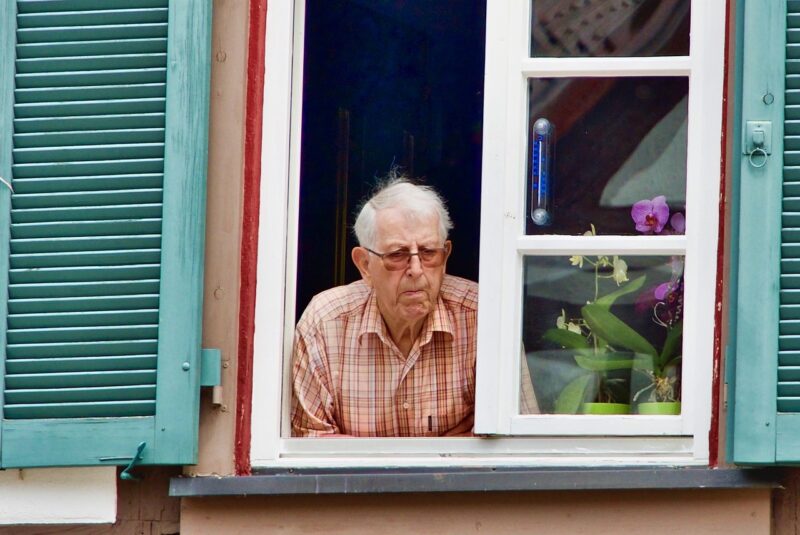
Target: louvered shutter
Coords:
[(103, 235), (765, 369)]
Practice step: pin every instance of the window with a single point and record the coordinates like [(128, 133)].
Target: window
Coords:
[(640, 109)]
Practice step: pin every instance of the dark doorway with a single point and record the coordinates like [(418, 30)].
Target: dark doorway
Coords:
[(387, 83)]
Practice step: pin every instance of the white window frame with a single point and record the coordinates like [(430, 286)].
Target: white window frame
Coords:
[(554, 440)]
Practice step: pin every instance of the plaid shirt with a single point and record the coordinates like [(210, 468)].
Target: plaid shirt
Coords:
[(350, 378)]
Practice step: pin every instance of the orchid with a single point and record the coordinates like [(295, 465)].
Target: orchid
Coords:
[(620, 274), (650, 216), (605, 345), (678, 223)]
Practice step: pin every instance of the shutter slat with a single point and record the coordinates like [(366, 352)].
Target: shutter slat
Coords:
[(92, 122), (81, 379), (62, 395), (58, 34), (81, 364), (86, 228), (789, 370), (90, 63), (91, 18), (90, 333), (74, 319), (88, 107), (92, 48), (88, 153), (82, 289), (787, 404), (84, 244), (37, 170), (60, 184), (53, 305), (80, 349), (95, 409), (29, 282), (790, 312), (108, 197), (85, 258), (41, 215), (91, 78), (88, 137), (41, 6), (92, 92)]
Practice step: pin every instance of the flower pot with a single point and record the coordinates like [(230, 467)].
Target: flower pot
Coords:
[(660, 407), (605, 408)]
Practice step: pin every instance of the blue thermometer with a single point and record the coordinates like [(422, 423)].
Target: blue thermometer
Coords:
[(543, 155)]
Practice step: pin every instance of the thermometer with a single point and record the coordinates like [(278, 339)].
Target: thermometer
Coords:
[(542, 169)]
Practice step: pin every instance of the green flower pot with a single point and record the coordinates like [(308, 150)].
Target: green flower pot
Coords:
[(660, 407), (605, 408)]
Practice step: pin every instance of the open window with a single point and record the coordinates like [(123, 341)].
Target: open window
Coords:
[(606, 104)]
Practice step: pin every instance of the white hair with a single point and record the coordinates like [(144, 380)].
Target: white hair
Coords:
[(419, 202)]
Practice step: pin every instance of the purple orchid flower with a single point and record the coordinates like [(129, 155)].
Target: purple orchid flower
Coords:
[(650, 216), (678, 223)]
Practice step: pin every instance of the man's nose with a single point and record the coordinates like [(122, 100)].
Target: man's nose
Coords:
[(414, 266)]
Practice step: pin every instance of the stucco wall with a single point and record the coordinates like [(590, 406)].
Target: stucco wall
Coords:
[(729, 512)]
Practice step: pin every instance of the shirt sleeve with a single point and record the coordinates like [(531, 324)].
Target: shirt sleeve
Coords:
[(312, 401)]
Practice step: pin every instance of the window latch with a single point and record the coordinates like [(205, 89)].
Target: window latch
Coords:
[(758, 142), (126, 474)]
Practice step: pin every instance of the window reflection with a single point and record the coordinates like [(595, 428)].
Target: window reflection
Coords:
[(603, 334), (571, 28), (615, 141)]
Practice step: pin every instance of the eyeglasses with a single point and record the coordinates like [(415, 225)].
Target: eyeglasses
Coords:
[(399, 259)]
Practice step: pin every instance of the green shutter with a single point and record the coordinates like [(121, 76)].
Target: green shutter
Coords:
[(765, 378), (105, 255)]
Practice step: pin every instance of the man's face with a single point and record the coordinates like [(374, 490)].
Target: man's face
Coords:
[(407, 295)]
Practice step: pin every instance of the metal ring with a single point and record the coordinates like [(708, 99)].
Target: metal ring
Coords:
[(758, 150)]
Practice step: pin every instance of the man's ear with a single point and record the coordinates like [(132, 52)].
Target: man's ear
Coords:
[(360, 258), (448, 245)]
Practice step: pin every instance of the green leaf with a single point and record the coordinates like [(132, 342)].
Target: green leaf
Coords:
[(615, 331), (672, 343), (604, 363), (634, 285), (570, 399), (565, 338)]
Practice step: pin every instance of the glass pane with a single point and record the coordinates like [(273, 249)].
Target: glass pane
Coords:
[(578, 28), (597, 146), (602, 335)]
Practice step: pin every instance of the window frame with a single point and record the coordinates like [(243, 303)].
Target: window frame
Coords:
[(684, 442), (509, 68)]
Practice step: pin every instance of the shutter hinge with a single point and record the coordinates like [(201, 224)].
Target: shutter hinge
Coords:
[(211, 373)]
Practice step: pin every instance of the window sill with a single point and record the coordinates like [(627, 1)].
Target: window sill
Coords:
[(373, 481)]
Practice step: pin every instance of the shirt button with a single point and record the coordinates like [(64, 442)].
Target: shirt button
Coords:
[(405, 405)]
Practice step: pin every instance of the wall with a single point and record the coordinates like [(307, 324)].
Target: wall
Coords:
[(729, 512)]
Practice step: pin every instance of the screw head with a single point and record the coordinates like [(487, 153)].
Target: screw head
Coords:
[(186, 366), (768, 98)]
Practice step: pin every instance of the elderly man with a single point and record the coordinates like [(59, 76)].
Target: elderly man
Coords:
[(392, 355)]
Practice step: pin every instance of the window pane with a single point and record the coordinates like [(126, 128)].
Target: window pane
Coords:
[(597, 146), (576, 28), (602, 333)]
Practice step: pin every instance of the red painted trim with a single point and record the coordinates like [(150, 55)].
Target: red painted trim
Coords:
[(719, 299), (254, 108)]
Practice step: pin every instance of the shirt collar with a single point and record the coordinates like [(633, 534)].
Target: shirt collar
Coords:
[(372, 321)]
